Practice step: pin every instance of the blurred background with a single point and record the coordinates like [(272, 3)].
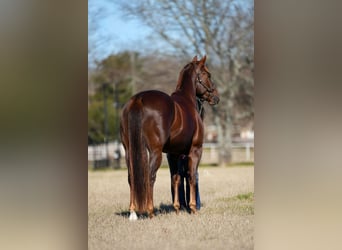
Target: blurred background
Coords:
[(139, 45)]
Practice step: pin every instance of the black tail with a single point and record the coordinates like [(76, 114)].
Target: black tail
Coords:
[(139, 169)]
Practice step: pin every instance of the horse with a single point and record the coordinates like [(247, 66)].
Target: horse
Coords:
[(153, 122)]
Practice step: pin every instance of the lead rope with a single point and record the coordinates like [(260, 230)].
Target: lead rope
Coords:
[(199, 105)]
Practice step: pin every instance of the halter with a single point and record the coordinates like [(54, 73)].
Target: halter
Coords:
[(208, 90), (199, 80)]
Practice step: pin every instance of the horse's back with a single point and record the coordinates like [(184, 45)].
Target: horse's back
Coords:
[(150, 100), (155, 103)]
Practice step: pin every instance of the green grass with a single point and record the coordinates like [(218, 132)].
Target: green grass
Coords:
[(241, 204), (249, 196)]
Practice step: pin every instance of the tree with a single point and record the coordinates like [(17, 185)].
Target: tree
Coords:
[(115, 72), (223, 30)]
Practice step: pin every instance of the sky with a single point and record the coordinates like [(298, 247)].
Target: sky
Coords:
[(113, 33)]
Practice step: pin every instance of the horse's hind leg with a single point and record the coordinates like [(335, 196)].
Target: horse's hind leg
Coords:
[(124, 137), (133, 215), (155, 161)]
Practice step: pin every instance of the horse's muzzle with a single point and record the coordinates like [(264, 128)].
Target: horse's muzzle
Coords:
[(214, 100)]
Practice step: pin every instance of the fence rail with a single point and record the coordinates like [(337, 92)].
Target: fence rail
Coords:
[(242, 151)]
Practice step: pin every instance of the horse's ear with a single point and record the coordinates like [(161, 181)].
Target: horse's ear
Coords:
[(202, 61), (194, 59)]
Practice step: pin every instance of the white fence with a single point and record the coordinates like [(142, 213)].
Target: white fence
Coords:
[(99, 152), (242, 151)]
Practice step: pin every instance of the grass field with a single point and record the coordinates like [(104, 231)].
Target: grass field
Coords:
[(225, 221)]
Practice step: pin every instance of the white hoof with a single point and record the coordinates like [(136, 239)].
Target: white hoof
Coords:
[(133, 216)]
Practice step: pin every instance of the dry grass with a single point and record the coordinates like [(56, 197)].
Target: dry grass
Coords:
[(224, 222)]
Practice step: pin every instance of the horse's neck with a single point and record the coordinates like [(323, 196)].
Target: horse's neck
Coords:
[(186, 86)]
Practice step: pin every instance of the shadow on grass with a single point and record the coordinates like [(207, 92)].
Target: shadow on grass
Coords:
[(163, 209)]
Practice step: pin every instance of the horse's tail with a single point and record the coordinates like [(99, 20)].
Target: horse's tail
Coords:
[(139, 167)]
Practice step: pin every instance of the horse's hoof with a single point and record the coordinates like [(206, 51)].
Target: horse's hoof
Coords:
[(177, 207), (193, 210), (133, 216)]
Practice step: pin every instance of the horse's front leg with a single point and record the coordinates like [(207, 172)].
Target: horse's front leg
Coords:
[(194, 159), (175, 186), (175, 180)]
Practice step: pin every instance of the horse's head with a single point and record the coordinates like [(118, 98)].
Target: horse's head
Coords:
[(205, 88)]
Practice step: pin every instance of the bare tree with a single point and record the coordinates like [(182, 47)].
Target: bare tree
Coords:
[(224, 31)]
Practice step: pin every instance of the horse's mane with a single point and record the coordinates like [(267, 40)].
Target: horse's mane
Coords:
[(182, 73)]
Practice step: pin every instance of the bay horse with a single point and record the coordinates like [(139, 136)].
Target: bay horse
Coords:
[(153, 122)]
